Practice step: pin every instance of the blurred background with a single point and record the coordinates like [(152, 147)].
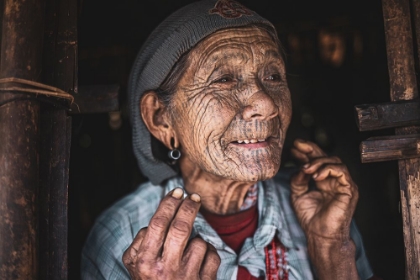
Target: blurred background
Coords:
[(336, 59)]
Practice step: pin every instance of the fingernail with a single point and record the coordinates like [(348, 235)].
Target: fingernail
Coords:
[(177, 193), (315, 175), (306, 165), (195, 197)]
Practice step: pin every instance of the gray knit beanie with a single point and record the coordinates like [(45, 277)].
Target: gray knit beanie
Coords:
[(176, 35)]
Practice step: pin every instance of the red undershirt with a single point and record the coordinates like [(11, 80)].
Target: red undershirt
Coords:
[(233, 230)]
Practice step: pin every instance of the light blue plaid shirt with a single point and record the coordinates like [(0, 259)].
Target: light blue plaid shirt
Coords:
[(116, 228)]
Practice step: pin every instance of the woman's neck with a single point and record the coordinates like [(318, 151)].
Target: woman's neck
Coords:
[(218, 195)]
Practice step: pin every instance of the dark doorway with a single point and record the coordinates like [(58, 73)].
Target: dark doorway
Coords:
[(336, 59)]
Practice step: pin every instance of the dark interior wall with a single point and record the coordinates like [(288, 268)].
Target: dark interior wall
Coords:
[(336, 59)]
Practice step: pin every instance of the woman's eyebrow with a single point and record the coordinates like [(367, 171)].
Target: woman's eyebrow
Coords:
[(219, 59), (227, 55)]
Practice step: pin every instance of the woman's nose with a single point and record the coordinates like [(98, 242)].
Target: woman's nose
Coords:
[(259, 106)]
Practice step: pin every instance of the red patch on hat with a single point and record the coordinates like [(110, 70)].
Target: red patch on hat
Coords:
[(230, 9)]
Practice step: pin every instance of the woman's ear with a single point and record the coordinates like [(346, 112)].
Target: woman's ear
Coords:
[(156, 119)]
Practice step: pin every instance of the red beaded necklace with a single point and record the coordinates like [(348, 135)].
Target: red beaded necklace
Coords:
[(275, 261)]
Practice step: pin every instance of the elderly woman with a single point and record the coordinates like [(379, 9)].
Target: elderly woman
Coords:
[(210, 107)]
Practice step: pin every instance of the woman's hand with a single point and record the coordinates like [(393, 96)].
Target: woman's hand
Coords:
[(325, 212), (163, 250)]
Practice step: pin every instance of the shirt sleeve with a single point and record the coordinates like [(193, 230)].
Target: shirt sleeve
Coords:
[(102, 253), (362, 263), (114, 231)]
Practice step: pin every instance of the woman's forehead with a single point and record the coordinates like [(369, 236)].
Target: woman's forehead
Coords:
[(225, 37), (236, 43)]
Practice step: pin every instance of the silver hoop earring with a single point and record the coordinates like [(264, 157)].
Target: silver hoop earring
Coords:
[(174, 154)]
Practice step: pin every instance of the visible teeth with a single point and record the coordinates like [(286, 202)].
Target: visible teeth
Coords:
[(247, 141)]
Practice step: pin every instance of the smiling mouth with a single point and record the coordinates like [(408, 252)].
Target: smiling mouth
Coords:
[(247, 141), (253, 142)]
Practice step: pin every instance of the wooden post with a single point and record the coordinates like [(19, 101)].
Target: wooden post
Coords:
[(399, 45), (416, 18), (21, 57), (60, 64)]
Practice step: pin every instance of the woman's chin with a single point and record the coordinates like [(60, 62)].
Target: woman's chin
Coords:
[(252, 173)]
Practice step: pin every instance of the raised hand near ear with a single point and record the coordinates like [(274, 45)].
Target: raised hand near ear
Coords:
[(325, 213)]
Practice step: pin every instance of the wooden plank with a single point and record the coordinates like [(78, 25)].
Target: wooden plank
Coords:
[(96, 99), (60, 70), (403, 86), (54, 175), (387, 115), (21, 57), (394, 147), (416, 18)]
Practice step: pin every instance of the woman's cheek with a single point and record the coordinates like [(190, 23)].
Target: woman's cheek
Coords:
[(201, 125)]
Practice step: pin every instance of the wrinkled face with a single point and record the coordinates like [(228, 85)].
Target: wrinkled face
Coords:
[(232, 106)]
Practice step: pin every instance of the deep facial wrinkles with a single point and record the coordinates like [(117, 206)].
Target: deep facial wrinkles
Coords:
[(212, 118)]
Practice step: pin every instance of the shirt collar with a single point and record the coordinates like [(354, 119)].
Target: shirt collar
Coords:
[(271, 200), (271, 219)]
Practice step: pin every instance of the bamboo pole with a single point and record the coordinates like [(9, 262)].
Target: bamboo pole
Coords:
[(403, 86), (60, 63), (21, 57)]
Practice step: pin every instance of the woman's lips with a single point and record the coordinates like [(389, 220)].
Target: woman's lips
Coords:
[(252, 143)]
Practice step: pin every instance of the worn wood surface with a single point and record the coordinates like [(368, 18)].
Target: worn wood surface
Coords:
[(386, 148), (54, 173), (60, 64), (403, 86), (21, 57), (387, 115), (415, 7), (96, 99)]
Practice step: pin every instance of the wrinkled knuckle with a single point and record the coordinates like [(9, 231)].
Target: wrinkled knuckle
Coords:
[(126, 258), (198, 244), (146, 268), (170, 203), (143, 263), (181, 227), (189, 207), (159, 223)]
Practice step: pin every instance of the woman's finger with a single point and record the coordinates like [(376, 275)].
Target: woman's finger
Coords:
[(309, 148), (138, 239), (130, 254), (210, 264), (153, 240), (300, 156), (313, 166), (299, 184), (194, 256), (344, 194), (336, 171), (180, 229)]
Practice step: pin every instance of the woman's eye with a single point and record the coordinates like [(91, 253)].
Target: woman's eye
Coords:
[(274, 77), (224, 79)]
